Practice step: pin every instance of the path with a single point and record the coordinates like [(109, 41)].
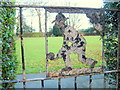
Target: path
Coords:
[(82, 82)]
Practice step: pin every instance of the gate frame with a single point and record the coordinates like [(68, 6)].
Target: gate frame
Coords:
[(46, 43)]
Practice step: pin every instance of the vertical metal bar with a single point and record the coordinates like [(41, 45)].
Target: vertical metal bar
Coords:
[(59, 84), (46, 40), (103, 51), (105, 80), (1, 63), (102, 36), (103, 62), (118, 60), (75, 83), (90, 82), (22, 49), (42, 83)]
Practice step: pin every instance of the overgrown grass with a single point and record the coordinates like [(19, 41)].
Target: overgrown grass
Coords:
[(35, 53)]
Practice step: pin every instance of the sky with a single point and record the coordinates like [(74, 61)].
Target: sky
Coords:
[(84, 21), (80, 3)]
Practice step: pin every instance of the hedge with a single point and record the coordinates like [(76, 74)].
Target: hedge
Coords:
[(9, 60), (33, 34)]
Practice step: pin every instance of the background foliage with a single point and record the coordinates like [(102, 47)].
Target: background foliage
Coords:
[(9, 62), (26, 28), (86, 32), (90, 31), (33, 34), (111, 40), (57, 32)]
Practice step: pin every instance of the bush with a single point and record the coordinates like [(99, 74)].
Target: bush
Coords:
[(49, 34), (89, 32), (33, 34), (56, 31)]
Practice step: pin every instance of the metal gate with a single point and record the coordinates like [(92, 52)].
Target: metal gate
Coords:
[(78, 10)]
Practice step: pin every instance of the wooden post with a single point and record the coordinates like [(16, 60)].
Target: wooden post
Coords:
[(22, 49)]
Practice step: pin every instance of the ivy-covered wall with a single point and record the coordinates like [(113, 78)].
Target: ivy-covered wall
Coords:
[(9, 60)]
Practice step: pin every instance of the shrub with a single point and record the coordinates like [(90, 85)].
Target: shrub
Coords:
[(56, 31), (90, 31), (33, 34)]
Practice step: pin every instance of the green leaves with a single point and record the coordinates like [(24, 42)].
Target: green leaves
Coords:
[(9, 61), (56, 31), (111, 40)]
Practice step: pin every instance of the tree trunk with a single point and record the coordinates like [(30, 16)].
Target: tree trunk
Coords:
[(39, 17), (40, 29), (31, 25)]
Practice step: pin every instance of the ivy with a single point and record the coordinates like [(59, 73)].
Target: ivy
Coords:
[(9, 60), (111, 41)]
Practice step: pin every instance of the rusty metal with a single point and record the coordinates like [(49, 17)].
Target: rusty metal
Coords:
[(73, 72), (102, 36), (90, 78), (22, 49), (57, 7), (103, 64), (59, 84), (27, 80), (118, 56), (90, 81), (105, 80), (46, 41), (113, 71), (39, 79), (42, 84), (75, 83), (74, 9)]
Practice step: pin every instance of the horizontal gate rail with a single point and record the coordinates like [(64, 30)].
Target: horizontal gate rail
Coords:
[(60, 7), (42, 79), (27, 80)]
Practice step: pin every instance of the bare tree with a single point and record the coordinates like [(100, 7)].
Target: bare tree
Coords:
[(39, 18), (74, 19), (39, 11), (32, 14)]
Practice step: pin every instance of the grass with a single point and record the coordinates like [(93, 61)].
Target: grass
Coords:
[(35, 53)]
